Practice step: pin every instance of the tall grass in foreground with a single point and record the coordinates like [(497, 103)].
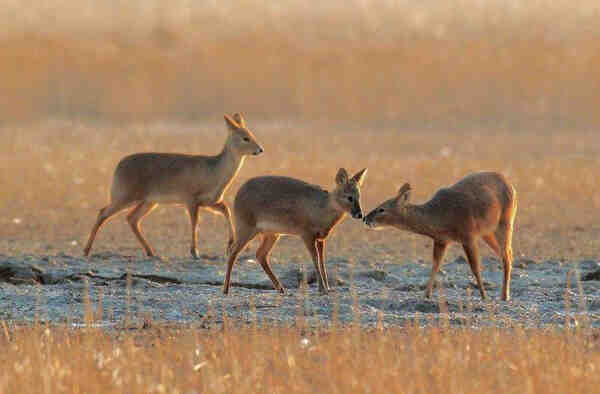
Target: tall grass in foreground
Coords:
[(286, 359)]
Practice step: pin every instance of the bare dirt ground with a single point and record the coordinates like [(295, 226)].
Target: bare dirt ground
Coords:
[(56, 176), (117, 289)]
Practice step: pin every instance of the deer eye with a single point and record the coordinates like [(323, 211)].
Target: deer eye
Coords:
[(350, 198), (380, 210), (246, 139)]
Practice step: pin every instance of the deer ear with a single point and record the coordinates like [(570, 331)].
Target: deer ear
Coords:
[(231, 124), (404, 194), (239, 118), (342, 177), (359, 177)]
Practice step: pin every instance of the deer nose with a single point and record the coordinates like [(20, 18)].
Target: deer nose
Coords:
[(358, 215)]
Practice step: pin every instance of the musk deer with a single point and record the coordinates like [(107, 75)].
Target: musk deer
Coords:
[(481, 205), (273, 206), (144, 180)]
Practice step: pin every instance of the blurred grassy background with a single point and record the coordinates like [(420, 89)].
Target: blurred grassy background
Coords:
[(424, 92), (463, 63)]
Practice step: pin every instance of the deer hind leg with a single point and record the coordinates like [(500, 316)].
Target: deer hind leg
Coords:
[(472, 252), (504, 236), (135, 217), (321, 251), (498, 247), (262, 255), (439, 250), (311, 245), (506, 228), (242, 240), (105, 214)]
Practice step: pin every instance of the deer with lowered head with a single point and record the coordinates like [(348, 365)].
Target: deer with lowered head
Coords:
[(143, 180), (272, 206), (481, 205)]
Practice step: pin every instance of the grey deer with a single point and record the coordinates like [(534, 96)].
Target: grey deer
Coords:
[(274, 205), (144, 180)]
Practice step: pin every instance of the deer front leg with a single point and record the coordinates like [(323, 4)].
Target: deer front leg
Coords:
[(222, 208), (439, 249), (192, 208), (311, 244), (321, 251), (472, 252)]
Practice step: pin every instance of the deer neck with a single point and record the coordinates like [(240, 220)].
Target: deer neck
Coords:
[(333, 212), (416, 219), (228, 164)]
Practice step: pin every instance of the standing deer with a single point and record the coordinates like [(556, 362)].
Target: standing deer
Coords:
[(144, 180), (481, 205), (275, 205)]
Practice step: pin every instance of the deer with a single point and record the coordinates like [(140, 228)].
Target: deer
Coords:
[(481, 205), (271, 206), (142, 181)]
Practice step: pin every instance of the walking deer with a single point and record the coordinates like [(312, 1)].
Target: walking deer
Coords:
[(144, 180), (481, 205), (273, 206)]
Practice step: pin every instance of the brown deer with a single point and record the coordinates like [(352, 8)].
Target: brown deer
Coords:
[(481, 205), (144, 180), (273, 206)]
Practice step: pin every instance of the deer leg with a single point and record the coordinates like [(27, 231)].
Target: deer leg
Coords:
[(504, 237), (492, 242), (223, 209), (472, 252), (135, 217), (238, 245), (262, 255), (311, 245), (439, 250), (321, 251), (105, 214), (192, 209)]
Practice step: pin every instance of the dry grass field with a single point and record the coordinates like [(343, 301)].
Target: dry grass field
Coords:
[(56, 176), (419, 92), (284, 360)]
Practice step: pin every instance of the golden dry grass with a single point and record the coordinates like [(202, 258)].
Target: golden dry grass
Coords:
[(55, 176), (282, 360), (439, 64)]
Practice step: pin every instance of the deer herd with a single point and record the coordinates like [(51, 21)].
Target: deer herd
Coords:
[(481, 205)]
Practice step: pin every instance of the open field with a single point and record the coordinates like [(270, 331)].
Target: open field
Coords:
[(419, 92), (48, 211)]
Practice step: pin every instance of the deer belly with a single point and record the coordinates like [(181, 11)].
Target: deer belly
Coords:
[(165, 198), (274, 226)]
